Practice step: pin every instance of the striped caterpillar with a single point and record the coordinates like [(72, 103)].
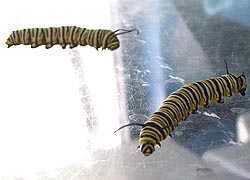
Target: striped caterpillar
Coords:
[(67, 35), (179, 104)]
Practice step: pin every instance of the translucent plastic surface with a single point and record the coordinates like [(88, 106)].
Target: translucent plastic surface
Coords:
[(59, 108)]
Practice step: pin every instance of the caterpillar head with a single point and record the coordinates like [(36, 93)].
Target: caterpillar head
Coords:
[(113, 43), (10, 41), (241, 81), (242, 84), (147, 140), (111, 40), (147, 143)]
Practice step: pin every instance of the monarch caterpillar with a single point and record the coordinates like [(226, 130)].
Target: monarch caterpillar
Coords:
[(179, 104), (65, 35)]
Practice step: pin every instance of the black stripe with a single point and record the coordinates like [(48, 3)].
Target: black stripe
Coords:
[(97, 39), (223, 85), (64, 41), (72, 35), (36, 37), (166, 118), (205, 92), (107, 39), (199, 92), (150, 136), (13, 37), (182, 97), (214, 80), (176, 103), (89, 37), (188, 95), (184, 109), (42, 34), (228, 85), (80, 36), (214, 84), (24, 36), (93, 39), (210, 88), (173, 106), (237, 82), (152, 130), (169, 109), (144, 145), (18, 37), (155, 126), (193, 93), (29, 36), (52, 35)]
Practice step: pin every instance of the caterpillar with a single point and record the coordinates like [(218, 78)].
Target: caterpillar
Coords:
[(179, 104), (67, 35)]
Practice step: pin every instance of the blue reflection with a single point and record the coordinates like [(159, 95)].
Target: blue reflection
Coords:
[(153, 50), (233, 10), (159, 30), (243, 127)]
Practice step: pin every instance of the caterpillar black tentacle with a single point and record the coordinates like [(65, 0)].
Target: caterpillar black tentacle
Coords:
[(67, 35), (125, 31), (130, 124), (179, 104)]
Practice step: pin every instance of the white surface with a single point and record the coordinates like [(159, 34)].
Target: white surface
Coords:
[(59, 107)]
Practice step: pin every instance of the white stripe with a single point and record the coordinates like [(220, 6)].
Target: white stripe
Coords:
[(182, 100), (214, 88), (220, 87), (202, 92), (193, 103), (106, 38), (175, 122), (230, 82), (96, 37), (81, 34), (150, 127), (177, 112), (196, 94)]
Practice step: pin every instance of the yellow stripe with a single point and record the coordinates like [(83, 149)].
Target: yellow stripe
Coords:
[(161, 120), (183, 109), (149, 131), (201, 100), (174, 108), (233, 83), (190, 98), (213, 96)]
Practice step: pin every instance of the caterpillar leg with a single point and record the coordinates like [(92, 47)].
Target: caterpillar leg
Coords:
[(220, 101), (34, 45), (63, 45), (47, 46), (206, 105), (194, 111), (10, 41), (72, 45)]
